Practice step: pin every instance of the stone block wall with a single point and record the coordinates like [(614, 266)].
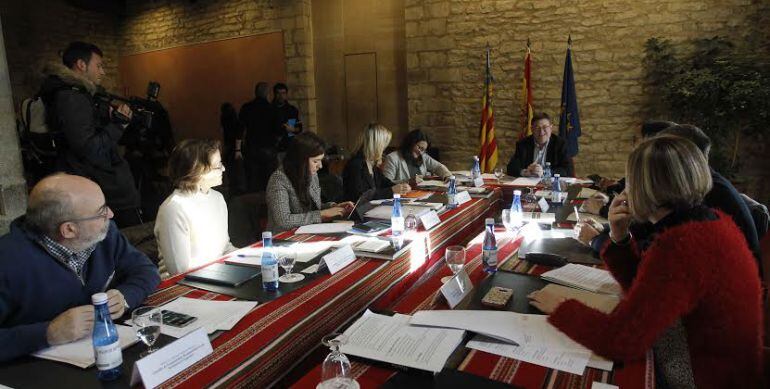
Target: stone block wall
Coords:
[(446, 41)]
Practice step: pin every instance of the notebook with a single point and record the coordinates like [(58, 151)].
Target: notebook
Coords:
[(222, 274)]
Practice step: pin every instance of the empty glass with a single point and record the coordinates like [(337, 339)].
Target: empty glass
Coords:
[(455, 259), (335, 370), (499, 173), (286, 261), (410, 223), (147, 322)]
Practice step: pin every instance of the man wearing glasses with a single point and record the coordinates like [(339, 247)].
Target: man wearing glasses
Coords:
[(542, 146), (55, 257)]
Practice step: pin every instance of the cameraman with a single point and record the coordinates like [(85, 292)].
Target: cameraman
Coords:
[(89, 129)]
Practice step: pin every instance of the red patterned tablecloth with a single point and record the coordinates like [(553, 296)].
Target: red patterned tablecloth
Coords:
[(274, 336)]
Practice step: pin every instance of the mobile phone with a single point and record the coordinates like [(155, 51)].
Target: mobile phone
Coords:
[(176, 319), (497, 297)]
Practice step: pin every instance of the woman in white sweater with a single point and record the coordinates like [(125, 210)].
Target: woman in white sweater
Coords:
[(191, 227), (411, 160)]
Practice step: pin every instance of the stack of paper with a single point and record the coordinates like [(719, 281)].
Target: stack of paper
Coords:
[(303, 252), (538, 217), (418, 194), (586, 193), (575, 180), (391, 339), (81, 352), (384, 212), (429, 183), (584, 277), (524, 181), (212, 315), (601, 302), (325, 228)]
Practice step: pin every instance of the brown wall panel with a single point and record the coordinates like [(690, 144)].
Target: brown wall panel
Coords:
[(360, 92)]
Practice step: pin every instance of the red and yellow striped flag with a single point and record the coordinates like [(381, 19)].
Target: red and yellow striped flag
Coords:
[(488, 154), (527, 106)]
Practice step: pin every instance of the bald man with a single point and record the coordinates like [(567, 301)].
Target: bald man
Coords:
[(55, 257)]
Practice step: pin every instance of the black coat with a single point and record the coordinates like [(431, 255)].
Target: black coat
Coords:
[(556, 154), (261, 127), (87, 143), (356, 180)]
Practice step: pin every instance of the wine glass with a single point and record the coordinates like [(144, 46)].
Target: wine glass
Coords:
[(335, 370), (455, 259), (286, 260), (499, 173), (410, 224), (147, 321), (507, 221)]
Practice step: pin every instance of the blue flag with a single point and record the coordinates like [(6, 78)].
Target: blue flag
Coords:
[(569, 120)]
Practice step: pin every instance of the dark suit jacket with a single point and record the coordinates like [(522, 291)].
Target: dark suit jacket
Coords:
[(357, 180), (556, 154)]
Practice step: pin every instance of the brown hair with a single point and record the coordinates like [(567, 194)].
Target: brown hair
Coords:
[(295, 164), (665, 172), (190, 160)]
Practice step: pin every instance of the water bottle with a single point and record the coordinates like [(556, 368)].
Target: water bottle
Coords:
[(269, 263), (451, 192), (489, 254), (107, 352), (556, 189), (397, 223), (410, 223), (476, 169), (517, 215), (547, 173)]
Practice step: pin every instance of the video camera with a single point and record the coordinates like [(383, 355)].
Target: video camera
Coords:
[(142, 108)]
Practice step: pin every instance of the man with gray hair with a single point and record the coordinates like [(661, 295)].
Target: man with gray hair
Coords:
[(55, 257)]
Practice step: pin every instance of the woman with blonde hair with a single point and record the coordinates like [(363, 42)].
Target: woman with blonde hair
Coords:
[(691, 290), (362, 173), (191, 226)]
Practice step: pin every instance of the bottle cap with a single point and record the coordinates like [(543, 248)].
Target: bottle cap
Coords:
[(267, 234), (517, 193), (557, 175), (547, 164), (476, 157), (99, 298), (489, 220), (452, 177), (396, 196)]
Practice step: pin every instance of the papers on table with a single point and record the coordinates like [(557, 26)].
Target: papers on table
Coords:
[(601, 220), (391, 339), (602, 302), (325, 228), (383, 212), (524, 181), (488, 176), (575, 180), (304, 252), (470, 189), (586, 193), (538, 217), (418, 194), (212, 315), (428, 183), (81, 352), (570, 360), (584, 277)]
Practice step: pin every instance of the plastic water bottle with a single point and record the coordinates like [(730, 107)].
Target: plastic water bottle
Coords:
[(107, 352), (476, 169), (517, 215), (489, 253), (451, 192), (397, 223), (269, 263), (547, 173), (556, 189)]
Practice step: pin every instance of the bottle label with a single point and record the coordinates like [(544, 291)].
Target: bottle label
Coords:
[(397, 224), (489, 256), (109, 356), (269, 273)]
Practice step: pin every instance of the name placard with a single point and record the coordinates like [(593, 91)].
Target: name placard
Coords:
[(339, 258), (429, 220), (457, 288), (543, 203), (462, 197), (172, 359), (478, 181)]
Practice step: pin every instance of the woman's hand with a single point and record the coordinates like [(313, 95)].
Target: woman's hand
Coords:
[(545, 301), (347, 206), (620, 217), (595, 203), (401, 188), (585, 232), (332, 213)]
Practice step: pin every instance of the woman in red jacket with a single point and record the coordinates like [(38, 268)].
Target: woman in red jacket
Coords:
[(691, 290)]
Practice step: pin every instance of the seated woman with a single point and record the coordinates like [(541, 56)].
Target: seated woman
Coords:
[(293, 193), (362, 173), (691, 290), (191, 226), (411, 160)]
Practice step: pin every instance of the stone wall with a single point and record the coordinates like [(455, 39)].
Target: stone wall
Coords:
[(152, 25), (445, 66)]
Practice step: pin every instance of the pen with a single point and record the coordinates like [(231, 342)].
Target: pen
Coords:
[(577, 215), (248, 256), (109, 279)]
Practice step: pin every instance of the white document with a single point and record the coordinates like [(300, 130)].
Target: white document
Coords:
[(171, 360), (538, 217), (511, 327), (488, 176), (325, 228), (524, 181), (457, 288), (212, 315), (339, 258), (543, 193), (543, 204), (472, 189), (310, 269), (600, 363), (574, 180), (429, 220), (462, 197), (601, 385), (584, 277), (384, 212), (372, 245), (393, 340), (427, 183), (303, 252), (586, 193), (570, 360), (81, 352), (601, 302)]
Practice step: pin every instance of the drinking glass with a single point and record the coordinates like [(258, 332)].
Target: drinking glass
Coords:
[(507, 222), (335, 370), (147, 321), (455, 259), (410, 223), (286, 261), (499, 173)]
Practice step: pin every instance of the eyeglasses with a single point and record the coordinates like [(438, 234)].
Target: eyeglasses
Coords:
[(218, 167), (541, 128), (103, 214)]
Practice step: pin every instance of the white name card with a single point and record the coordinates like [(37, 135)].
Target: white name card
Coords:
[(339, 258), (429, 220), (457, 288), (478, 181), (462, 197), (172, 359), (543, 203)]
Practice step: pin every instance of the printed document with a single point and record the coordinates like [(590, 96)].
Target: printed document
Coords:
[(81, 352), (212, 315), (325, 228), (584, 277)]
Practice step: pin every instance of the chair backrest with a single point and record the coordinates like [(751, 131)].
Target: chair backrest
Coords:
[(142, 237), (759, 213), (247, 215)]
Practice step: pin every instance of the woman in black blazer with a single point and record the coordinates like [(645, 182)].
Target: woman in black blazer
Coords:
[(362, 173)]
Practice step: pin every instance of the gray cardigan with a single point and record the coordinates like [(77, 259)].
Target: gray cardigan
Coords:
[(396, 169), (284, 209)]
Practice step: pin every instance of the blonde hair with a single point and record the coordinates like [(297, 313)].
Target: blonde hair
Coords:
[(373, 142), (665, 172)]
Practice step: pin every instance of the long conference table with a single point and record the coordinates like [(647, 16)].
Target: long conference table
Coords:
[(276, 335)]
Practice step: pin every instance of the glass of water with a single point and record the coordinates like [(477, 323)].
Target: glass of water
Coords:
[(455, 259), (499, 173), (336, 369), (146, 322), (286, 261)]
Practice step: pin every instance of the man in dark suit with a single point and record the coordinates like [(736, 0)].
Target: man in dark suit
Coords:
[(535, 150)]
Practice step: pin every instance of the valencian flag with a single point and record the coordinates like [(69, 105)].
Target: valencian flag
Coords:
[(527, 106), (569, 121), (488, 154)]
